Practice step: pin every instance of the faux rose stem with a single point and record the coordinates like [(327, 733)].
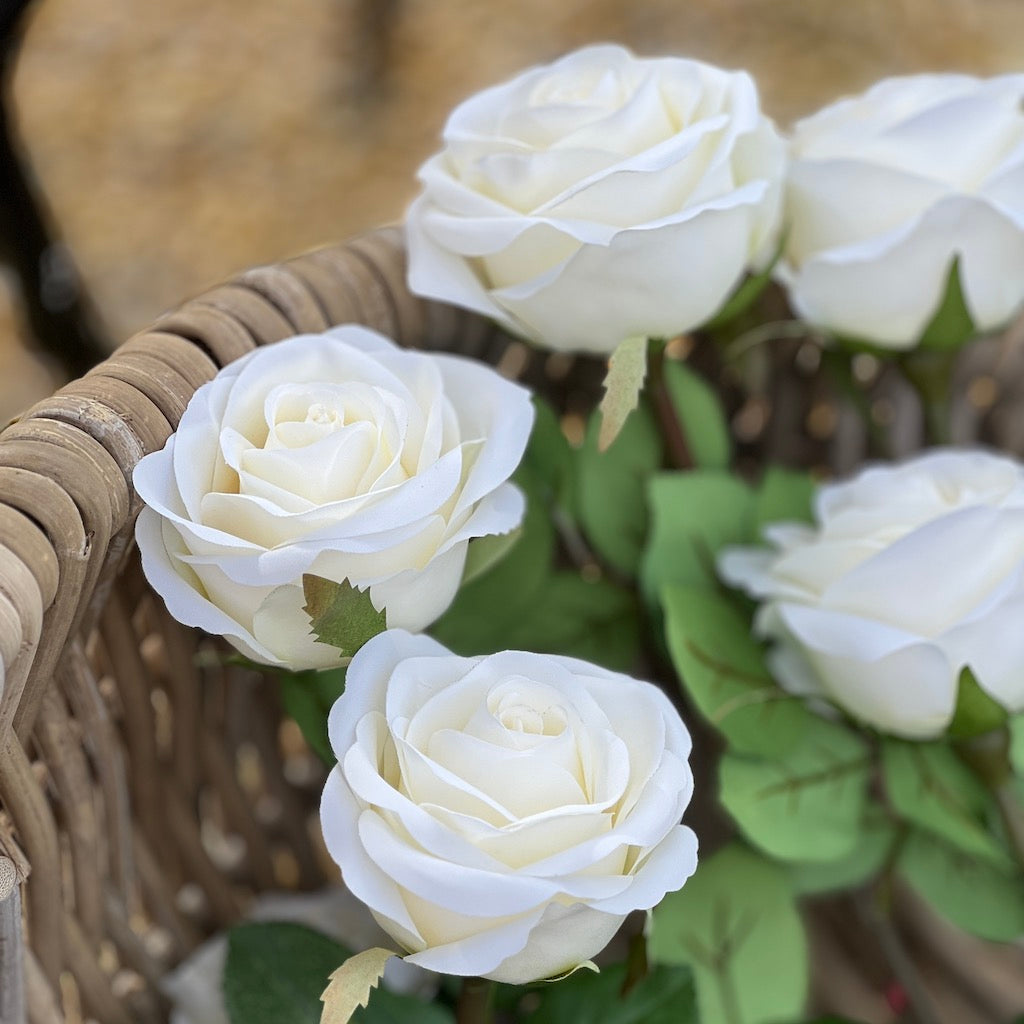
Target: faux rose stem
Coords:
[(475, 999), (1012, 815), (931, 376), (988, 757), (873, 911), (672, 432)]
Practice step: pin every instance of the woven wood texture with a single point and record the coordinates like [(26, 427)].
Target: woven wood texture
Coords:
[(147, 788)]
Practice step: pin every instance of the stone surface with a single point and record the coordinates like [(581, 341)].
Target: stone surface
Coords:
[(183, 144)]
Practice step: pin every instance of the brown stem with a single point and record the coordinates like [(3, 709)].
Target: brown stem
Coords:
[(672, 432), (875, 915), (474, 1005)]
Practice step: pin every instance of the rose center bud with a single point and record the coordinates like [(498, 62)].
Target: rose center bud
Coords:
[(319, 413), (518, 716)]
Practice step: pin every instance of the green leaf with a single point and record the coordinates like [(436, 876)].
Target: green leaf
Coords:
[(480, 615), (693, 516), (700, 414), (308, 698), (806, 805), (611, 498), (952, 325), (590, 619), (341, 615), (976, 712), (484, 553), (928, 786), (722, 667), (276, 971), (664, 996), (736, 923), (785, 495), (973, 894), (627, 369), (875, 839), (548, 454)]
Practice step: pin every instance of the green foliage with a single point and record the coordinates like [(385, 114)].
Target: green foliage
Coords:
[(548, 454), (736, 924), (722, 668), (807, 804), (664, 996), (975, 895), (785, 495), (627, 369), (479, 617), (693, 516), (1016, 751), (952, 325), (611, 498), (523, 602), (700, 414), (484, 553), (590, 619), (873, 847), (930, 787), (276, 971), (308, 698), (976, 712), (341, 615)]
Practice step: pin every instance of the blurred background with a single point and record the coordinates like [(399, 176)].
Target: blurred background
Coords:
[(152, 149)]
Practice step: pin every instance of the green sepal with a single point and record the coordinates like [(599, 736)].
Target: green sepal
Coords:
[(341, 615), (976, 712), (951, 326)]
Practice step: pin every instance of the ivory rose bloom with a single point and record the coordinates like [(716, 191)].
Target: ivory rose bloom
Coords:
[(599, 198), (911, 573), (339, 455), (501, 815), (887, 188)]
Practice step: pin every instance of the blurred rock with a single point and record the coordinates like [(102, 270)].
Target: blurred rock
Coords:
[(181, 145)]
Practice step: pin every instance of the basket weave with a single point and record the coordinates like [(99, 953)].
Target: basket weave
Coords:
[(117, 738), (148, 789)]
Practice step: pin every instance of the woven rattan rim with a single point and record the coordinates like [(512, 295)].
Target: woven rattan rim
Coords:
[(66, 501)]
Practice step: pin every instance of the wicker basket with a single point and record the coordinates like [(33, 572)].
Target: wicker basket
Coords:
[(147, 789)]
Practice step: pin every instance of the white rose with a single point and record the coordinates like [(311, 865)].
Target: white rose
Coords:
[(501, 815), (339, 455), (599, 198), (887, 188), (913, 572)]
